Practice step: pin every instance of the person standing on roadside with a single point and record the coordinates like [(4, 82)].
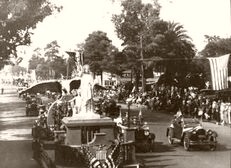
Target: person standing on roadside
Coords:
[(2, 90), (216, 107)]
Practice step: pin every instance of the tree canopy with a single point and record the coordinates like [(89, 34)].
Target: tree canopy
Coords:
[(50, 65), (17, 19), (98, 52), (217, 46), (36, 59), (146, 36)]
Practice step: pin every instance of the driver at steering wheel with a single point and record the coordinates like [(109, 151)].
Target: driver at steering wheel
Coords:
[(177, 120)]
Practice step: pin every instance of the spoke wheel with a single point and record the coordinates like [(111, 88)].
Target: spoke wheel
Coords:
[(170, 140), (213, 146), (170, 135), (186, 143)]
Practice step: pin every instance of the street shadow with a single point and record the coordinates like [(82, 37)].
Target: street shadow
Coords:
[(22, 123), (205, 148), (160, 147), (221, 147), (158, 166), (10, 105), (12, 109), (152, 158), (152, 161), (17, 154), (156, 159)]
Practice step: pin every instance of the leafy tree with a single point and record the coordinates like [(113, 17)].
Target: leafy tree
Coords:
[(132, 26), (42, 71), (56, 63), (134, 20), (36, 59), (212, 38), (17, 19), (49, 65), (217, 46), (96, 49), (201, 66), (59, 67), (17, 70), (169, 41), (71, 64), (113, 63), (141, 29)]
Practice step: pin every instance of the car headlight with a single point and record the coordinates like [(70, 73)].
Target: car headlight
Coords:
[(146, 132), (194, 132), (209, 132)]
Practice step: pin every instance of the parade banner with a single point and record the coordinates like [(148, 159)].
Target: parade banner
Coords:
[(219, 71)]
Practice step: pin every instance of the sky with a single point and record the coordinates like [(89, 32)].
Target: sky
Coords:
[(79, 18), (199, 18), (76, 21)]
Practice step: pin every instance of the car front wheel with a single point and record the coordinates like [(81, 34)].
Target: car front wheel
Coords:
[(170, 140), (212, 146), (170, 136), (186, 143)]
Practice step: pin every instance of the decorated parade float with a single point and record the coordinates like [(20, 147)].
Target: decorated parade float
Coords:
[(77, 132)]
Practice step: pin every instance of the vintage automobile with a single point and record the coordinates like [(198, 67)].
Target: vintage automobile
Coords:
[(20, 89), (40, 129), (33, 98), (31, 106), (189, 132), (144, 139)]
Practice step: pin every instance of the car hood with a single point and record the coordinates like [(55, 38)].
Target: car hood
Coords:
[(189, 129)]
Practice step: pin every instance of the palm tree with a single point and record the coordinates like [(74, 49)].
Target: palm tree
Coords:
[(179, 48), (169, 43)]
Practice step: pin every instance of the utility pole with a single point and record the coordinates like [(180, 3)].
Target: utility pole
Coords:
[(142, 65)]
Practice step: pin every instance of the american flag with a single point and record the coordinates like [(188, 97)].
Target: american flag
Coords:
[(219, 71), (93, 162), (112, 160)]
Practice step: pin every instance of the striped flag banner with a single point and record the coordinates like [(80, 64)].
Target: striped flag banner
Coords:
[(219, 71)]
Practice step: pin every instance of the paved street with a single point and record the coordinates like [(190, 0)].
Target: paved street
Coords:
[(167, 156), (15, 140), (15, 132)]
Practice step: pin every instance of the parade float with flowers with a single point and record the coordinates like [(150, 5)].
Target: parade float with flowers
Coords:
[(82, 130)]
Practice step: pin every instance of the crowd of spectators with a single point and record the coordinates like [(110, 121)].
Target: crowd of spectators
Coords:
[(190, 101)]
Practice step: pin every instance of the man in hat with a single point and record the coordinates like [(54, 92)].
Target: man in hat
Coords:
[(177, 120), (177, 124)]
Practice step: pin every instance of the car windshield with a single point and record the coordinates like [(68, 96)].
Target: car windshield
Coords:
[(190, 122)]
